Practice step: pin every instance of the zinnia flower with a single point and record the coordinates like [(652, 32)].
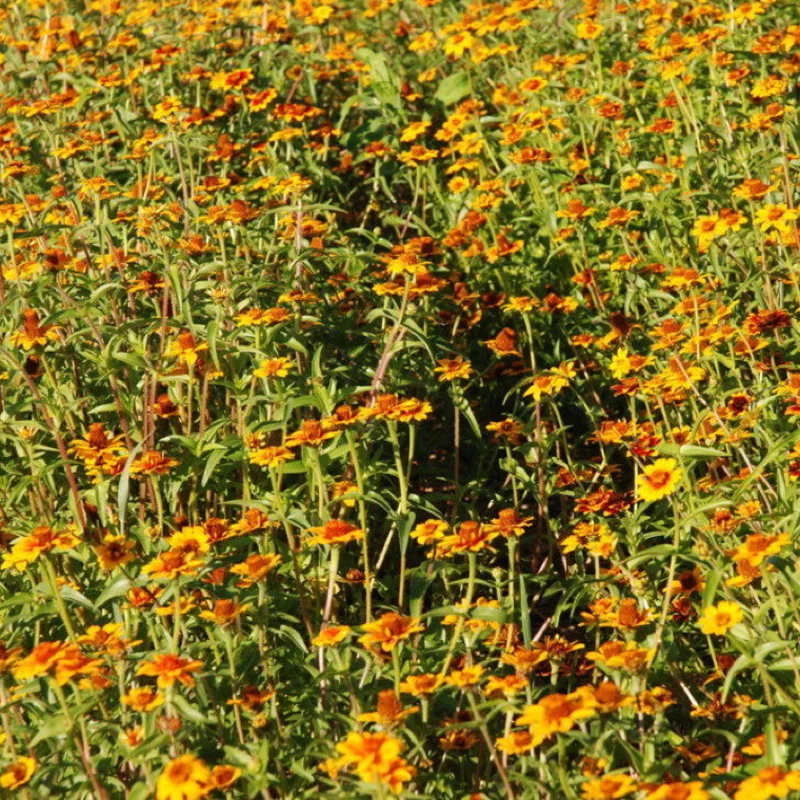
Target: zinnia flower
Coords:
[(451, 369), (608, 787), (169, 668), (184, 778), (255, 568), (143, 699), (720, 618), (769, 782), (557, 713), (331, 635), (659, 479), (333, 532), (18, 773), (389, 630), (692, 790)]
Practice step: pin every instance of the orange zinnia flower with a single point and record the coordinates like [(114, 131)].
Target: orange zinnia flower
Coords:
[(43, 539), (225, 611), (375, 757), (504, 344), (508, 523), (331, 635), (470, 537), (114, 551), (151, 462), (32, 333), (271, 456), (333, 532), (311, 434), (557, 713), (143, 699), (172, 563), (185, 348), (255, 568), (421, 685), (389, 630), (390, 710), (169, 668), (39, 661)]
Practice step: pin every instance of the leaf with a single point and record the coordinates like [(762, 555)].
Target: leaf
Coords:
[(743, 662), (465, 408), (68, 593), (212, 332), (294, 635), (123, 490), (453, 88), (419, 583), (241, 758), (695, 451), (406, 524), (377, 63), (387, 93), (650, 553), (712, 582), (443, 611), (785, 665), (525, 611), (763, 650), (383, 80), (213, 460), (489, 614), (59, 725), (188, 711), (117, 589), (139, 791)]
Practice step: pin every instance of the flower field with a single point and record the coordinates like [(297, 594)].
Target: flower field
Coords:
[(399, 398)]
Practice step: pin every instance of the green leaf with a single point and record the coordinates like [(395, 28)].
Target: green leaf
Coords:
[(377, 63), (525, 611), (188, 711), (659, 550), (123, 490), (213, 460), (59, 725), (465, 408), (383, 80), (74, 596), (139, 791), (712, 582), (117, 589), (489, 614), (453, 88), (695, 451), (443, 611), (741, 663)]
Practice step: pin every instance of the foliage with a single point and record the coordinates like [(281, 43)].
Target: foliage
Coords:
[(398, 397)]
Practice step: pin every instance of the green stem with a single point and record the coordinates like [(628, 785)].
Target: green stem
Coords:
[(462, 619), (52, 581)]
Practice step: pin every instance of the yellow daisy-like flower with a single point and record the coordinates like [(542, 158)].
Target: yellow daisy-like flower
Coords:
[(720, 618), (184, 778), (588, 29), (274, 368), (659, 479), (769, 782), (608, 787), (18, 773)]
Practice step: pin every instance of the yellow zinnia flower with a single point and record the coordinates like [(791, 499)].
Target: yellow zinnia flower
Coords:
[(720, 618), (658, 479)]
